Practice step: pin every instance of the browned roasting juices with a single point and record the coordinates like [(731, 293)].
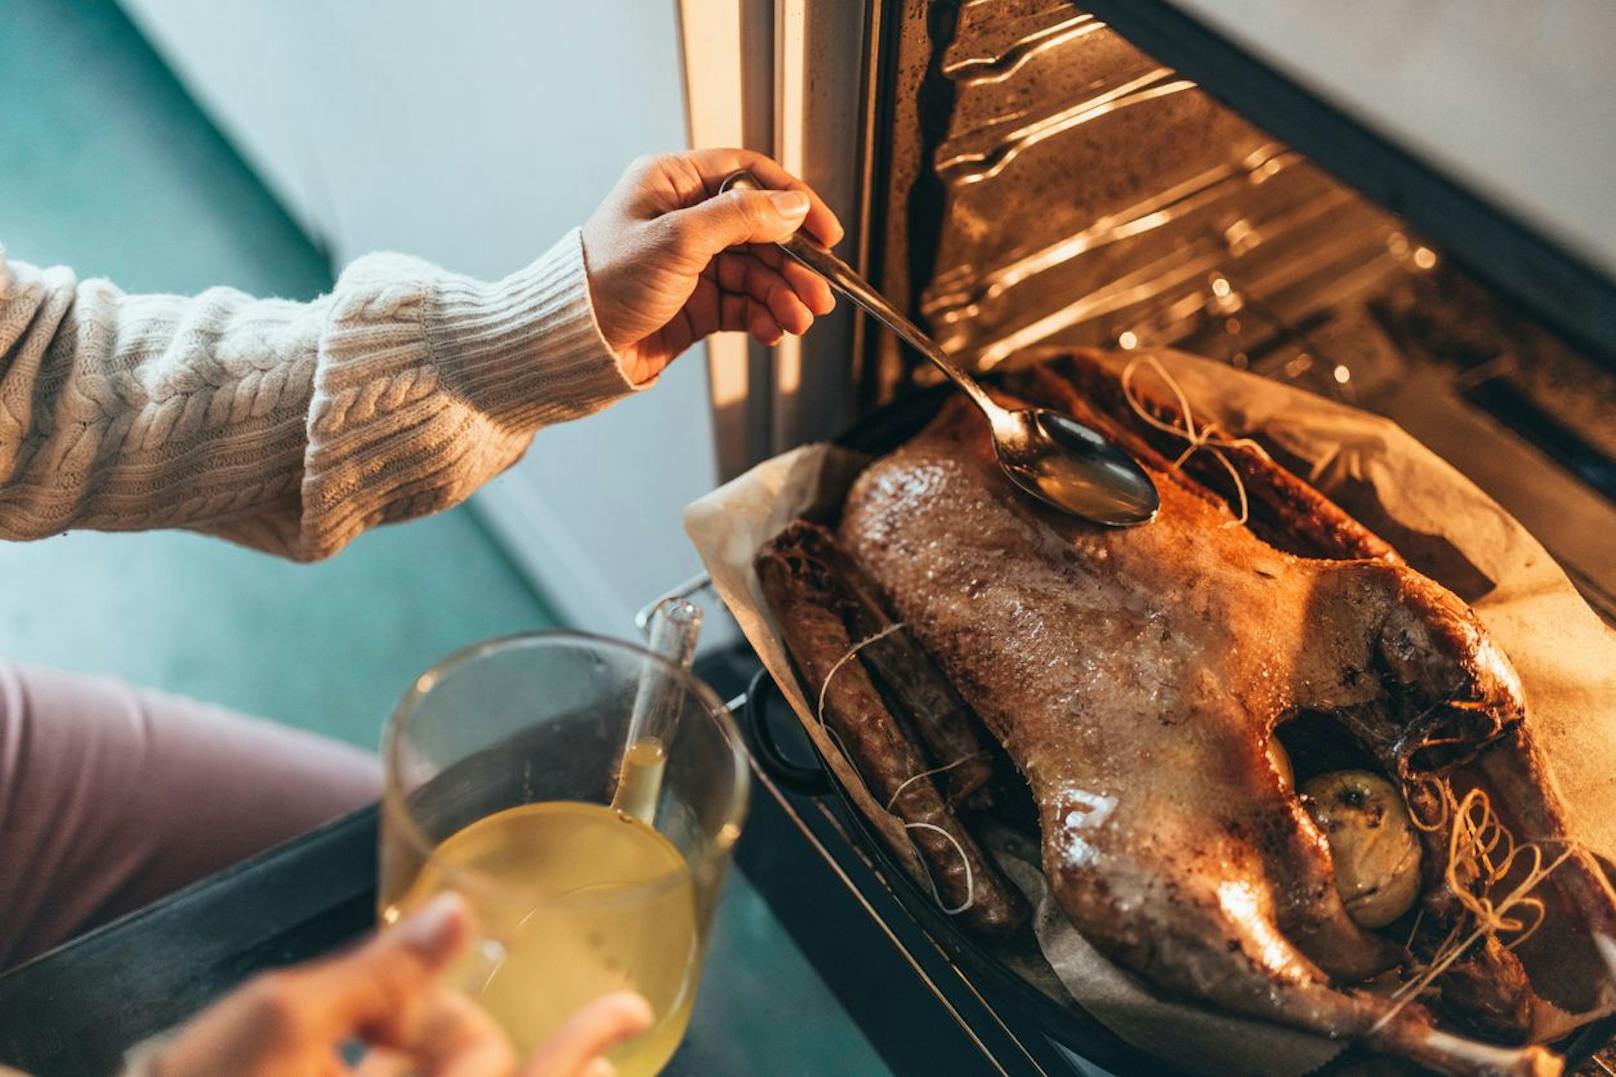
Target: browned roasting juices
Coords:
[(1136, 678)]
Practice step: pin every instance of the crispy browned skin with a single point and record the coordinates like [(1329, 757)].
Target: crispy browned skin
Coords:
[(1135, 676), (808, 599)]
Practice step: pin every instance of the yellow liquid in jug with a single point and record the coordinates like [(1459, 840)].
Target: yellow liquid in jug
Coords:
[(591, 901)]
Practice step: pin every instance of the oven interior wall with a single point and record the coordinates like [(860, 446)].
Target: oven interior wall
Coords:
[(1047, 184)]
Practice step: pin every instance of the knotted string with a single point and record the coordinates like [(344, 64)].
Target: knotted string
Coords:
[(840, 662), (1208, 436), (907, 782), (970, 881), (1481, 852)]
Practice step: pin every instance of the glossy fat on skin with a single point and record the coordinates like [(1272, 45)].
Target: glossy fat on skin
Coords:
[(1095, 656), (1134, 676)]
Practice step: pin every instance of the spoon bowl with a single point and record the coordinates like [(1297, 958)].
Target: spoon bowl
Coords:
[(1068, 465), (1051, 456)]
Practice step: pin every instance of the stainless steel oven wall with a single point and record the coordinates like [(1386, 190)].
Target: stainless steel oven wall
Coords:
[(1075, 191)]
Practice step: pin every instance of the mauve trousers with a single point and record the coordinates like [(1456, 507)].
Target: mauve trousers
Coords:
[(111, 797)]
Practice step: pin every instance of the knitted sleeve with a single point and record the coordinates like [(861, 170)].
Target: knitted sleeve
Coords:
[(289, 427)]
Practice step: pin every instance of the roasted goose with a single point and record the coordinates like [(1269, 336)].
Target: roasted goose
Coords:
[(1136, 678)]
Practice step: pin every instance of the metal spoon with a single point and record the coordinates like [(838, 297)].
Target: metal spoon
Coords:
[(1051, 456)]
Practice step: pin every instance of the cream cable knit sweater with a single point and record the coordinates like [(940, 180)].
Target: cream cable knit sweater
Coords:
[(290, 427)]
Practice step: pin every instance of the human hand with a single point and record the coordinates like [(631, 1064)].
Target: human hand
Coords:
[(387, 994), (670, 260)]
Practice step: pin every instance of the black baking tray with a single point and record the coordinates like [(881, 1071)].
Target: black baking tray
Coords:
[(1062, 1020)]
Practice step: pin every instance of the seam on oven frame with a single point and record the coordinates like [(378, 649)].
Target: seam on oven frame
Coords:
[(869, 98), (875, 110)]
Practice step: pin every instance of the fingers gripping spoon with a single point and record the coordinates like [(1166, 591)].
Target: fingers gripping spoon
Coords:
[(1051, 456)]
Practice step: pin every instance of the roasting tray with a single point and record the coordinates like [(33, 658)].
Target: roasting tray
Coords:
[(985, 966)]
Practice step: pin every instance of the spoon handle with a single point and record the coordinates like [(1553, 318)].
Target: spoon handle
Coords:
[(845, 279)]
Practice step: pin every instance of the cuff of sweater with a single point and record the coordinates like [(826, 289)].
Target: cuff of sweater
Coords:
[(527, 350)]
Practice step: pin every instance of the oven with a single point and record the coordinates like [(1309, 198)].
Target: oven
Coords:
[(1403, 212)]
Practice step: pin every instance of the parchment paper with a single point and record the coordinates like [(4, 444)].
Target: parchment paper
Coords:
[(1441, 522)]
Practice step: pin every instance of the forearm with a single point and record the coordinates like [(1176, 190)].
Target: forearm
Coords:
[(431, 383), (286, 426)]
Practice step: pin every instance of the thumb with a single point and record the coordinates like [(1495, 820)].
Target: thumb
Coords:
[(738, 216), (379, 983)]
